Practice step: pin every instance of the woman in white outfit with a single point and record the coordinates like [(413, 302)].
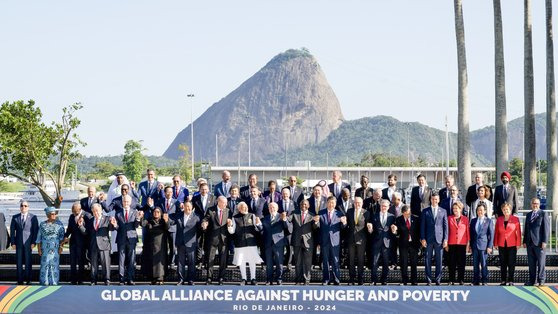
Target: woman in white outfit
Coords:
[(484, 194)]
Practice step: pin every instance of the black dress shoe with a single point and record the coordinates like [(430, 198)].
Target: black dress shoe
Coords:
[(121, 283), (336, 283), (267, 283), (253, 282), (360, 283), (483, 284), (325, 283), (107, 282), (279, 282), (541, 284), (131, 283), (528, 284), (414, 284), (28, 283), (429, 284), (461, 283), (190, 283), (438, 283), (80, 283), (92, 283), (221, 282), (74, 283), (180, 283), (306, 283), (208, 282), (243, 282), (384, 283), (503, 283), (511, 284)]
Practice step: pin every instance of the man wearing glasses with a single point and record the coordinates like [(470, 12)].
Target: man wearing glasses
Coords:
[(535, 238), (296, 192), (148, 188), (23, 234), (454, 197)]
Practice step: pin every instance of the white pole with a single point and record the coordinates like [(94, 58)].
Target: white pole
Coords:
[(216, 151), (192, 133), (447, 147)]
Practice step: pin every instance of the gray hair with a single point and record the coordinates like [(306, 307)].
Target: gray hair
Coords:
[(384, 201), (396, 195)]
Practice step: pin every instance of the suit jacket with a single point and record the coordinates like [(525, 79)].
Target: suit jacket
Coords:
[(536, 231), (403, 232), (330, 230), (312, 202), (344, 185), (260, 208), (231, 205), (418, 204), (472, 196), (145, 192), (385, 194), (173, 208), (360, 192), (510, 234), (302, 230), (511, 198), (276, 232), (181, 194), (357, 231), (116, 204), (219, 189), (276, 196), (382, 235), (446, 204), (290, 208), (126, 230), (458, 233), (297, 195), (485, 237), (372, 206), (245, 193), (216, 230), (84, 202), (198, 205), (24, 235), (99, 238), (444, 194), (76, 237), (341, 205), (434, 229), (392, 210), (186, 235), (4, 236)]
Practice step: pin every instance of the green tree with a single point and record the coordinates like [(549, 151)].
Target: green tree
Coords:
[(185, 163), (28, 146), (516, 171), (134, 161)]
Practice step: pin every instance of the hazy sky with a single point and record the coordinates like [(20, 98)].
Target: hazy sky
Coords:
[(131, 63)]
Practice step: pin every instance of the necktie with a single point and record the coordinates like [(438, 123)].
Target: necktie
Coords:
[(98, 221), (186, 220), (220, 216), (149, 185), (505, 191), (317, 205), (253, 205), (357, 212), (329, 217), (303, 216), (168, 205), (176, 193), (24, 219), (126, 215), (383, 220), (534, 215), (408, 223), (479, 224), (336, 190), (273, 219), (204, 202), (90, 201)]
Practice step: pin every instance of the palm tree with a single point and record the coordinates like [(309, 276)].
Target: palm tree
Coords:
[(529, 148), (501, 125), (551, 138), (463, 144)]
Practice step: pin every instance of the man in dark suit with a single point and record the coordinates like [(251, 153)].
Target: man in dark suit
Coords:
[(337, 186), (128, 220), (303, 241), (387, 193), (245, 191), (91, 199), (471, 195), (170, 206), (203, 201), (331, 222), (364, 191), (382, 238), (297, 195), (317, 201), (257, 204), (233, 200), (187, 225), (276, 228), (148, 189), (434, 237), (481, 230), (179, 192), (223, 188), (372, 204), (505, 193), (535, 239), (454, 197), (215, 224), (24, 228), (287, 206), (356, 239), (395, 210), (78, 243), (408, 233), (345, 202), (420, 196), (445, 192), (98, 230), (116, 203)]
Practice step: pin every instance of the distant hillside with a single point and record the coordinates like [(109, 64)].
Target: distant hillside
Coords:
[(87, 164)]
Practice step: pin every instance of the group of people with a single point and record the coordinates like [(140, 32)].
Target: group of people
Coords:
[(282, 228)]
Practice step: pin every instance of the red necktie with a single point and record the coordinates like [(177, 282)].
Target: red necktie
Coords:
[(126, 215), (409, 227), (168, 205), (176, 193), (303, 216), (220, 216), (97, 225)]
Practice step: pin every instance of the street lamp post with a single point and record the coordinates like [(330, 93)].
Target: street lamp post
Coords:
[(192, 132)]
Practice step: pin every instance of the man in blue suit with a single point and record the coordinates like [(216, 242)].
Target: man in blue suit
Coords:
[(382, 240), (187, 227), (128, 219), (535, 238), (453, 198), (78, 242), (276, 227), (482, 240), (23, 234), (148, 189), (179, 192), (224, 187), (331, 222), (434, 236)]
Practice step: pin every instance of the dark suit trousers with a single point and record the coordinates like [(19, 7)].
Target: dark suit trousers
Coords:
[(456, 259), (186, 256), (77, 261), (356, 251), (222, 249), (405, 254), (274, 256), (104, 256), (23, 257), (303, 263), (479, 261), (507, 262), (330, 257), (172, 252), (536, 258), (433, 249), (203, 248), (384, 252), (126, 261)]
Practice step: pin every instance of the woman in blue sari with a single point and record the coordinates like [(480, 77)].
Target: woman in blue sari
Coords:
[(51, 234)]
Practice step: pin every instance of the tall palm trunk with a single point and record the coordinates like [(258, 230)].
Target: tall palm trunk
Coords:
[(529, 147), (551, 138), (463, 144), (501, 125)]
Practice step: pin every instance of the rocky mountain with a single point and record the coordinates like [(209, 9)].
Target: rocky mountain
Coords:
[(288, 101)]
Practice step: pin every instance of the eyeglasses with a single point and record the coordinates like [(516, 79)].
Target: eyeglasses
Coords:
[(176, 181), (22, 205), (124, 189)]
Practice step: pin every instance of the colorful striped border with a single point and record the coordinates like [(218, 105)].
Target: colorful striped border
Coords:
[(545, 298), (14, 299)]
